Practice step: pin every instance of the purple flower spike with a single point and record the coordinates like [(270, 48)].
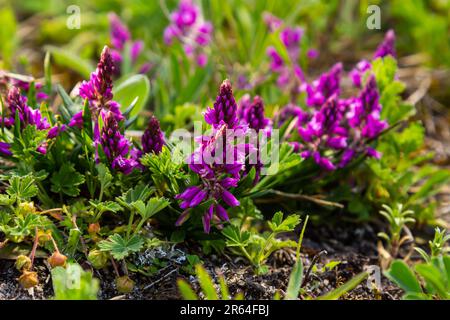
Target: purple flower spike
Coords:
[(224, 110), (219, 174), (98, 90), (28, 116), (387, 47), (119, 32), (189, 28), (323, 88), (153, 138), (254, 115), (115, 146)]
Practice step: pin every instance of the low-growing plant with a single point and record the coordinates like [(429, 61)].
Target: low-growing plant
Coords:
[(73, 283), (425, 281), (397, 218), (256, 248), (437, 245)]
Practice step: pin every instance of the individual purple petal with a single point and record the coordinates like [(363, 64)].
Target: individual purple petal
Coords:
[(136, 50), (207, 219), (229, 198), (387, 47), (371, 152), (77, 120), (198, 198), (222, 213), (182, 218)]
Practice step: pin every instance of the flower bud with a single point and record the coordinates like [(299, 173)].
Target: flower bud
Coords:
[(28, 279), (27, 207), (23, 263), (94, 228), (57, 260), (44, 236), (98, 258), (124, 284)]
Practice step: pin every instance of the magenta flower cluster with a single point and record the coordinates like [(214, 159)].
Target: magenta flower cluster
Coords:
[(18, 107), (335, 130), (188, 26), (120, 37), (217, 178), (386, 48), (118, 150), (289, 73)]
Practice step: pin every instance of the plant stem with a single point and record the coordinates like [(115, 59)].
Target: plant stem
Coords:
[(130, 223), (33, 250)]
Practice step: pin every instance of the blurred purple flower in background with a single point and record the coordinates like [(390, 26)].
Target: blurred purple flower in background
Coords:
[(188, 26), (120, 38)]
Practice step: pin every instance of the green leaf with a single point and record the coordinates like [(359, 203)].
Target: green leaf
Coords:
[(67, 180), (400, 274), (104, 176), (119, 247), (73, 283), (295, 281), (22, 188), (140, 192), (154, 205), (68, 59), (279, 225), (206, 283), (346, 287), (107, 206), (434, 278), (236, 238), (127, 90), (186, 291), (8, 37)]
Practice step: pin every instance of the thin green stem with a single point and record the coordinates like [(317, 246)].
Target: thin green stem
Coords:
[(130, 224)]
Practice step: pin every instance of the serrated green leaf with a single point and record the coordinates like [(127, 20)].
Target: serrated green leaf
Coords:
[(22, 188), (67, 180), (119, 247)]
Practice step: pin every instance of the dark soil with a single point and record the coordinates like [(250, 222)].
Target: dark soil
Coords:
[(353, 248)]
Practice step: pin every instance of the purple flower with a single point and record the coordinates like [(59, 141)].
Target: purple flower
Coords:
[(291, 38), (115, 146), (254, 115), (5, 149), (357, 73), (119, 32), (28, 116), (189, 28), (312, 54), (276, 63), (291, 111), (323, 88), (272, 22), (153, 138), (387, 47), (55, 131), (136, 50), (98, 90), (120, 36), (225, 108), (218, 176), (77, 120), (324, 132)]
